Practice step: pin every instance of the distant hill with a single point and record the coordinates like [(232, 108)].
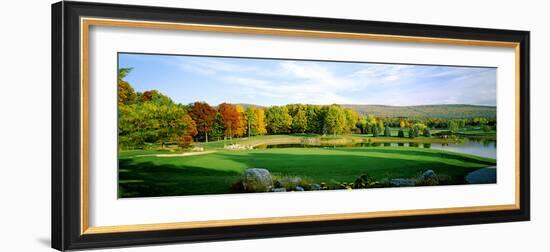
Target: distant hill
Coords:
[(422, 111)]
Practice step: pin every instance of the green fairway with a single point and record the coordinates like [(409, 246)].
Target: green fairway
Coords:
[(144, 175)]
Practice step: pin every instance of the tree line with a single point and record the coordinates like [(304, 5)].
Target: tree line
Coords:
[(152, 117)]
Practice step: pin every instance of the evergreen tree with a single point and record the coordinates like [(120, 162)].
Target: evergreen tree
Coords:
[(427, 132), (411, 133), (387, 131), (375, 131), (401, 133), (217, 127)]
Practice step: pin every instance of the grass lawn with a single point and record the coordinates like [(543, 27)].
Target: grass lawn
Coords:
[(215, 173)]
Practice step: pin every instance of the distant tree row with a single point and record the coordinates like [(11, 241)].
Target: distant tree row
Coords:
[(439, 123)]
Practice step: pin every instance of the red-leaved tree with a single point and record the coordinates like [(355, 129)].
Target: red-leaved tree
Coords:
[(203, 115)]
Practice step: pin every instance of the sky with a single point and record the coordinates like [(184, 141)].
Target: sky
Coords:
[(267, 82)]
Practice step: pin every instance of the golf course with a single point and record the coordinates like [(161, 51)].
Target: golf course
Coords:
[(197, 125), (145, 173)]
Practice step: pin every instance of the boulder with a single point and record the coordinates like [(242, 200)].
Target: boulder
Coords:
[(257, 180), (278, 190), (288, 182), (402, 182), (428, 174), (299, 189), (315, 187)]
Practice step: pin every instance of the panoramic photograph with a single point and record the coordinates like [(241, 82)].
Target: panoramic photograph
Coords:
[(200, 125)]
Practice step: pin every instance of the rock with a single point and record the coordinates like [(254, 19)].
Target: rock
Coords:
[(288, 182), (299, 189), (402, 182), (482, 176), (428, 174), (278, 190), (197, 149), (238, 147), (315, 187), (257, 180)]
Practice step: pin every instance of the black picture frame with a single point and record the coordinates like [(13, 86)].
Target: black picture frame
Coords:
[(66, 125)]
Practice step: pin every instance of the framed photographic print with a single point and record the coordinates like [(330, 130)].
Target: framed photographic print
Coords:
[(180, 125)]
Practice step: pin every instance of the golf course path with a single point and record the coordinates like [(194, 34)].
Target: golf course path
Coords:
[(177, 154), (185, 154), (482, 176)]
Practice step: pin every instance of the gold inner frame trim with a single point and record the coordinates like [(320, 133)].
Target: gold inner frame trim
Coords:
[(85, 24)]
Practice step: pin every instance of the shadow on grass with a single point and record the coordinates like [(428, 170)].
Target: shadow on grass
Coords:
[(146, 179)]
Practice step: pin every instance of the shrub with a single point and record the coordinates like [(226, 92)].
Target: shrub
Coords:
[(401, 133), (431, 181), (237, 187), (427, 132), (387, 131), (411, 133), (290, 182), (185, 141), (375, 132)]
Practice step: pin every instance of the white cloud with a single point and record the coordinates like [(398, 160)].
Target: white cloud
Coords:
[(319, 83)]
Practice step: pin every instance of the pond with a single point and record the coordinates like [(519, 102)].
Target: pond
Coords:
[(474, 146)]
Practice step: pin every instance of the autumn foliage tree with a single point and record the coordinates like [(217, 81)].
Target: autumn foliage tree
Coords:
[(260, 126), (126, 94), (255, 121), (232, 119), (203, 115), (240, 130)]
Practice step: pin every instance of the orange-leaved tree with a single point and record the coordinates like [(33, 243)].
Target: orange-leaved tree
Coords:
[(232, 119), (203, 115)]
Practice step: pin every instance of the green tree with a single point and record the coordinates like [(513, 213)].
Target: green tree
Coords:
[(412, 132), (427, 132), (387, 131), (251, 120), (278, 120), (362, 124), (453, 126), (314, 122), (123, 72), (370, 124), (380, 125), (335, 119), (375, 131), (351, 120), (400, 133), (218, 127), (299, 120), (419, 126)]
